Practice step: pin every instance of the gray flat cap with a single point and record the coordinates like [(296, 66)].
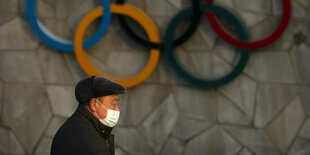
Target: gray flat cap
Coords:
[(95, 86)]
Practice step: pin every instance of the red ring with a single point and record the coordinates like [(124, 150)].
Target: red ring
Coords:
[(286, 14)]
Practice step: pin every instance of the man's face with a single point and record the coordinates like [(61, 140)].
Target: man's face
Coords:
[(108, 102)]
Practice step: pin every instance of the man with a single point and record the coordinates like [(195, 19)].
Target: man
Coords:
[(88, 130)]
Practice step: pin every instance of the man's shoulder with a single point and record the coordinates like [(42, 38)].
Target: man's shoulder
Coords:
[(75, 125), (76, 134)]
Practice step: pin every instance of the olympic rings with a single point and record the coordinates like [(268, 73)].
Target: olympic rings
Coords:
[(59, 43), (286, 13), (191, 29), (133, 13), (104, 12), (185, 74)]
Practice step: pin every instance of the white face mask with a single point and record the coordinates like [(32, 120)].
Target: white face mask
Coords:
[(112, 117)]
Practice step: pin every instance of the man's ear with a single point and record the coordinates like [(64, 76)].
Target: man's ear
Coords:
[(92, 105)]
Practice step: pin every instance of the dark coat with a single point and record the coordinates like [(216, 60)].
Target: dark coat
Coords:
[(83, 134)]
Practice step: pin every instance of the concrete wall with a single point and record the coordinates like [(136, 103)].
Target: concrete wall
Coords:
[(264, 111)]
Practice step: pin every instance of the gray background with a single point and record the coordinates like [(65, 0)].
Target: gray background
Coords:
[(264, 111)]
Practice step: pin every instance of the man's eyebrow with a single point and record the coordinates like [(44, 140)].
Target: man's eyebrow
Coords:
[(115, 99)]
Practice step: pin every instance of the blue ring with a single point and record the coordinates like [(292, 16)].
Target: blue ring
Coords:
[(62, 44)]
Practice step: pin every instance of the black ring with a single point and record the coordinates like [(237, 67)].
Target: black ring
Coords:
[(185, 36)]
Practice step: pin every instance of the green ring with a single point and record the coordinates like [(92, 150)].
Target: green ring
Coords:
[(168, 48)]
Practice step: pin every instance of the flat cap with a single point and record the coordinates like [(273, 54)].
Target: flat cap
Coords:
[(95, 86)]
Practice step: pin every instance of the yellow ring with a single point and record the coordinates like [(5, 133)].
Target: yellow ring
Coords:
[(133, 13)]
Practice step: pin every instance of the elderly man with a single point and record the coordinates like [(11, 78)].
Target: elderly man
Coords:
[(88, 130)]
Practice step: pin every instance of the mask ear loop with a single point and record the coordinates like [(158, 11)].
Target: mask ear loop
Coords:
[(98, 115), (102, 104)]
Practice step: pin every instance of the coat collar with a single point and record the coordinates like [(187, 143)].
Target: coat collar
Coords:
[(102, 129)]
